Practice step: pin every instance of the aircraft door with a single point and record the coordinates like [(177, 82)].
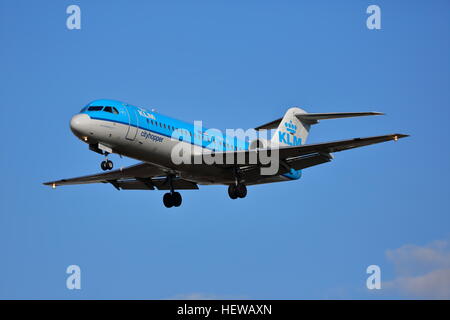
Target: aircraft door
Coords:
[(133, 123)]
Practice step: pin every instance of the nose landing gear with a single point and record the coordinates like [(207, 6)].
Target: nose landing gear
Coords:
[(106, 164)]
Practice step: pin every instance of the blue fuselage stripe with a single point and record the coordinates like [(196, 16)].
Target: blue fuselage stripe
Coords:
[(130, 116)]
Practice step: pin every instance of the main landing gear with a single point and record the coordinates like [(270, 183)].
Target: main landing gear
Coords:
[(237, 191), (106, 164), (172, 198)]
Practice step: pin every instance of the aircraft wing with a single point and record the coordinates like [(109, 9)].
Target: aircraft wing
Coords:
[(142, 176), (336, 146), (244, 157)]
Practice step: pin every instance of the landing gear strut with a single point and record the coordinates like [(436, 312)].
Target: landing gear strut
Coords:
[(172, 198), (237, 191), (106, 164)]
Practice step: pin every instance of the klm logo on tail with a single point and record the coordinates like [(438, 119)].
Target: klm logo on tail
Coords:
[(290, 127), (289, 139)]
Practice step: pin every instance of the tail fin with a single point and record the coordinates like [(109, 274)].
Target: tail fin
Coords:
[(292, 131)]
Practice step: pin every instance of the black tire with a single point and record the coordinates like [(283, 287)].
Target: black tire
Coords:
[(168, 200), (232, 191), (241, 190), (176, 199), (109, 165), (103, 165)]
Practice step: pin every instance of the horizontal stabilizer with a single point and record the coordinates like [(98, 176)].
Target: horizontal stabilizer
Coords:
[(314, 117)]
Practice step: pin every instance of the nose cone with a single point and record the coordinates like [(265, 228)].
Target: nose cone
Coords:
[(79, 124)]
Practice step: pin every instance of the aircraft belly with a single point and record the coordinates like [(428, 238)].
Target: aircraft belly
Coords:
[(157, 150)]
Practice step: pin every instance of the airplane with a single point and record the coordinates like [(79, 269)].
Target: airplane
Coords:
[(110, 126)]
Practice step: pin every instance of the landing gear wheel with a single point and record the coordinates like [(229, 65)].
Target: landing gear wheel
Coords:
[(172, 198), (232, 191), (106, 165), (168, 200), (241, 190), (176, 199)]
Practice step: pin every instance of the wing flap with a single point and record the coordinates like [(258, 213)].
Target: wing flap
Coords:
[(253, 173), (132, 185), (307, 161), (151, 184), (178, 184)]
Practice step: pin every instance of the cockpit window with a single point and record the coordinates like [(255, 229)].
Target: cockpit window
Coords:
[(111, 110), (95, 108)]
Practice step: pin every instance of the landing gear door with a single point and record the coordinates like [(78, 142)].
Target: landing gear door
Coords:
[(133, 123)]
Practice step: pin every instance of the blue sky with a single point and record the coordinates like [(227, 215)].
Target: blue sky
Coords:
[(232, 64)]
